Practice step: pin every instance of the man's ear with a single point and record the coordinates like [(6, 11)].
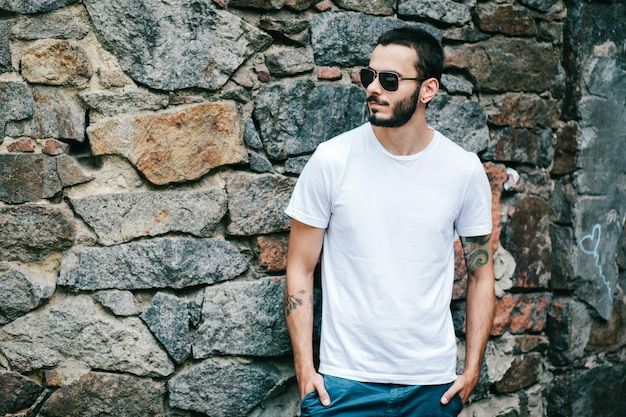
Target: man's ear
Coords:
[(429, 89)]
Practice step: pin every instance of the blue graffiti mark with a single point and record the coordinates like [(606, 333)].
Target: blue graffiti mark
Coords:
[(594, 240)]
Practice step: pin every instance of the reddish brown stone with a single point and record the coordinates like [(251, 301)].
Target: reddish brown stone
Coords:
[(609, 334), (524, 372), (324, 5), (460, 272), (273, 252), (24, 145), (263, 73), (565, 149), (55, 147), (526, 110), (299, 5), (328, 73), (519, 313), (506, 19)]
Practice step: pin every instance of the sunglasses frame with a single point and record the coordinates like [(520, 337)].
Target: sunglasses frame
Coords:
[(377, 75)]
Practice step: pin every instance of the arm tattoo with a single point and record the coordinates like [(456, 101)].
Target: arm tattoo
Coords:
[(477, 250), (292, 301)]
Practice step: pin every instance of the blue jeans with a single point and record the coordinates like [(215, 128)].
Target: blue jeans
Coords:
[(365, 399)]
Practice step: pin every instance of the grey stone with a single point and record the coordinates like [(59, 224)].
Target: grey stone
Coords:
[(462, 120), (97, 393), (541, 5), (259, 163), (243, 318), (110, 104), (375, 7), (82, 334), (294, 117), (18, 103), (57, 115), (456, 85), (33, 6), (251, 136), (20, 293), (334, 43), (446, 11), (223, 387), (30, 233), (155, 263), (514, 145), (60, 24), (256, 203), (175, 46), (291, 61), (568, 328), (121, 303), (296, 164), (17, 392), (122, 217), (167, 318), (70, 172), (6, 65)]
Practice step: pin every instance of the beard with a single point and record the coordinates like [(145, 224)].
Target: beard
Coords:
[(401, 112)]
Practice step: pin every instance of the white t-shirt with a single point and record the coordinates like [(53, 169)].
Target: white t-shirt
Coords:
[(388, 254)]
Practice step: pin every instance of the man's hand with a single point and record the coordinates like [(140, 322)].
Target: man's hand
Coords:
[(315, 383), (463, 386)]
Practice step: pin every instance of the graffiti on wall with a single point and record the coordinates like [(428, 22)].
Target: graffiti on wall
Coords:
[(589, 245)]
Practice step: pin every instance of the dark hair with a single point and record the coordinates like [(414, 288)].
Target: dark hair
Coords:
[(428, 49)]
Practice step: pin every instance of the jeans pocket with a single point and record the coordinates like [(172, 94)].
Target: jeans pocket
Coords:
[(309, 403), (457, 401)]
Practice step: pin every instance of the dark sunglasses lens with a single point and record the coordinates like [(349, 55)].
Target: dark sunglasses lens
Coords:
[(367, 77), (388, 80)]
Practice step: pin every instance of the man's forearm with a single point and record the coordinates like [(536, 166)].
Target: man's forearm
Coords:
[(298, 305)]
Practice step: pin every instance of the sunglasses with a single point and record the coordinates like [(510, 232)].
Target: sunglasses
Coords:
[(388, 80)]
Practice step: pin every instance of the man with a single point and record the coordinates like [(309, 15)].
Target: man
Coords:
[(385, 202)]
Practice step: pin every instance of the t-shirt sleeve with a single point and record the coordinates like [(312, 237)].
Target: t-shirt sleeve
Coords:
[(310, 201), (475, 215)]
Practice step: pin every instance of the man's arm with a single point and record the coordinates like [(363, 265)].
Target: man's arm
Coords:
[(480, 311), (305, 246)]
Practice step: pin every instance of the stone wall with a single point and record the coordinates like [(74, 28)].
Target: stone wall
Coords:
[(148, 149)]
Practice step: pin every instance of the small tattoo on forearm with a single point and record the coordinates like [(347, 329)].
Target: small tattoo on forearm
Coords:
[(293, 301)]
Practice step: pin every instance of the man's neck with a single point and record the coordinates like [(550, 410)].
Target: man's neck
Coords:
[(408, 139)]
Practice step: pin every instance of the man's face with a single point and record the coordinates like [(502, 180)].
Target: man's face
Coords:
[(393, 108)]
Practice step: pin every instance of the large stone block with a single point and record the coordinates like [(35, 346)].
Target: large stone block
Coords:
[(21, 292), (109, 104), (174, 145), (33, 6), (6, 65), (61, 24), (224, 387), (520, 313), (507, 19), (243, 318), (568, 327), (167, 318), (375, 7), (334, 43), (17, 392), (57, 62), (73, 329), (122, 217), (297, 116), (523, 110), (506, 64), (172, 46), (31, 233), (119, 395), (155, 263), (18, 103), (256, 203), (446, 11)]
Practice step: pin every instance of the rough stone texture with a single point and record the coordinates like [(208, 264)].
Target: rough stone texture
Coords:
[(55, 62), (57, 114), (172, 46), (110, 104), (446, 11), (515, 145), (26, 178), (18, 103), (155, 263), (97, 394), (456, 85), (524, 372), (60, 24), (174, 145), (223, 387), (461, 120), (20, 293), (519, 313), (33, 6), (30, 233), (507, 19), (568, 328), (501, 64), (296, 164), (334, 44), (523, 110), (17, 392), (526, 237), (82, 334), (122, 217), (120, 303), (273, 252), (375, 7), (167, 318), (292, 61), (565, 149), (256, 203), (541, 5), (293, 117), (5, 52), (243, 318)]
